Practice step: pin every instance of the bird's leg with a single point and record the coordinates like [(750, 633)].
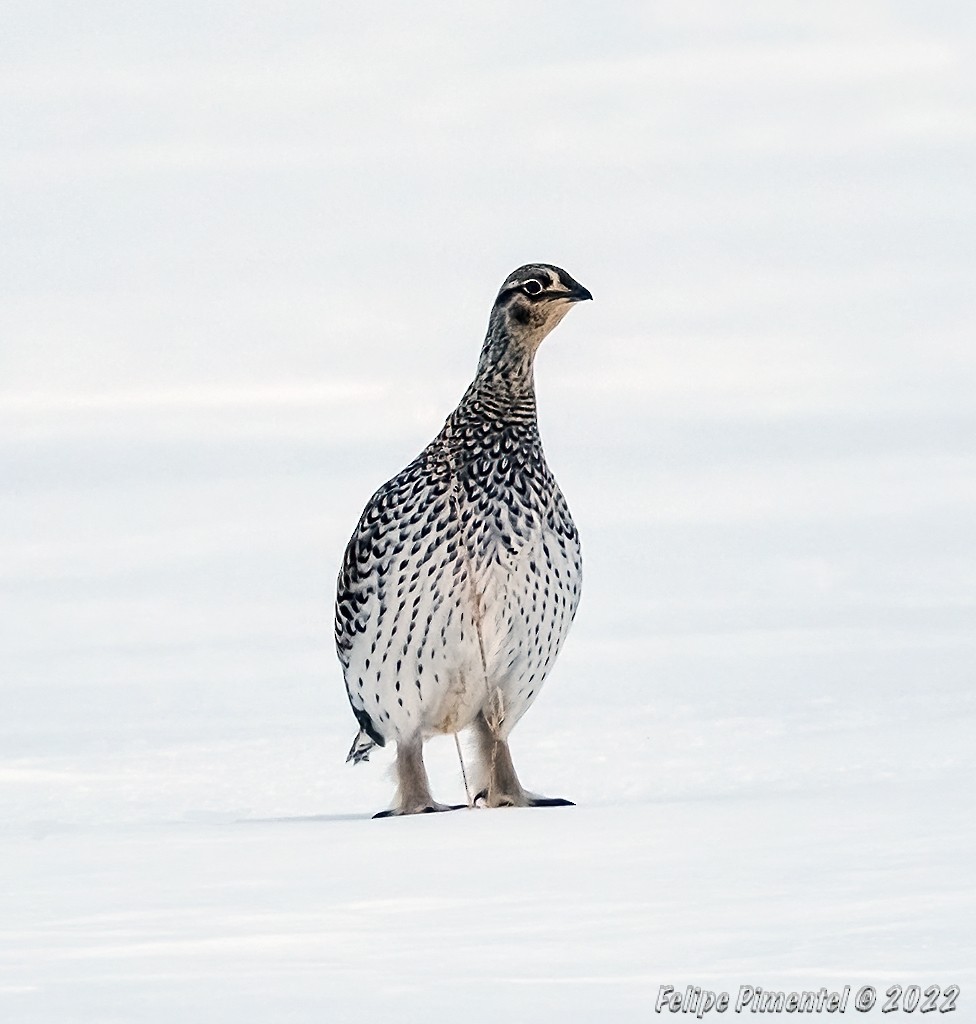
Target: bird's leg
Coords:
[(413, 787), (500, 784)]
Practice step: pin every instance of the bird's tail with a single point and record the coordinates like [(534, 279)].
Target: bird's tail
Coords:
[(361, 746)]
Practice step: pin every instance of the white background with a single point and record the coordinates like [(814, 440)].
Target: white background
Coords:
[(246, 260)]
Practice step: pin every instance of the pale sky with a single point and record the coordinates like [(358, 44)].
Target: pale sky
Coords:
[(248, 256)]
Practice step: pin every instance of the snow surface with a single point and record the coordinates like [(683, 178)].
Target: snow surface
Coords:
[(248, 258), (567, 915)]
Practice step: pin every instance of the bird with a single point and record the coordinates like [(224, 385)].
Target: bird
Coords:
[(463, 575)]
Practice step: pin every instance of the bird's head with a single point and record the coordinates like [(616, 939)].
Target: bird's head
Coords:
[(531, 302), (534, 299)]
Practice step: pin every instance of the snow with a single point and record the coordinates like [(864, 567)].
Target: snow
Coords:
[(573, 914), (247, 262)]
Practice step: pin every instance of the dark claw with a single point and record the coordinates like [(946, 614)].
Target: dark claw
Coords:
[(394, 813), (539, 801)]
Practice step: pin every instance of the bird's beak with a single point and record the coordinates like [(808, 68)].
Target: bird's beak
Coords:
[(578, 294)]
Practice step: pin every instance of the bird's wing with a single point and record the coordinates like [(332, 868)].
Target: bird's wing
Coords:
[(396, 524)]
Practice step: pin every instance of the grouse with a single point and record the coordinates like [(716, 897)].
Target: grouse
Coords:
[(463, 575)]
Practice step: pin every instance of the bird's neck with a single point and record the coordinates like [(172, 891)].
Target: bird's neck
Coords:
[(504, 387), (507, 362)]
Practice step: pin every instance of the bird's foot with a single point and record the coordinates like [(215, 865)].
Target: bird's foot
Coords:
[(399, 812), (522, 799)]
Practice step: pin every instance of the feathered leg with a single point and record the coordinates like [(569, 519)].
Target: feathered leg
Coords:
[(500, 784), (413, 787)]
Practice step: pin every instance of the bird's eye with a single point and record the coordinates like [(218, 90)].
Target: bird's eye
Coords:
[(532, 287)]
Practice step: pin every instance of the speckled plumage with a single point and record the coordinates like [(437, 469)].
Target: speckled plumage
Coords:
[(463, 575)]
